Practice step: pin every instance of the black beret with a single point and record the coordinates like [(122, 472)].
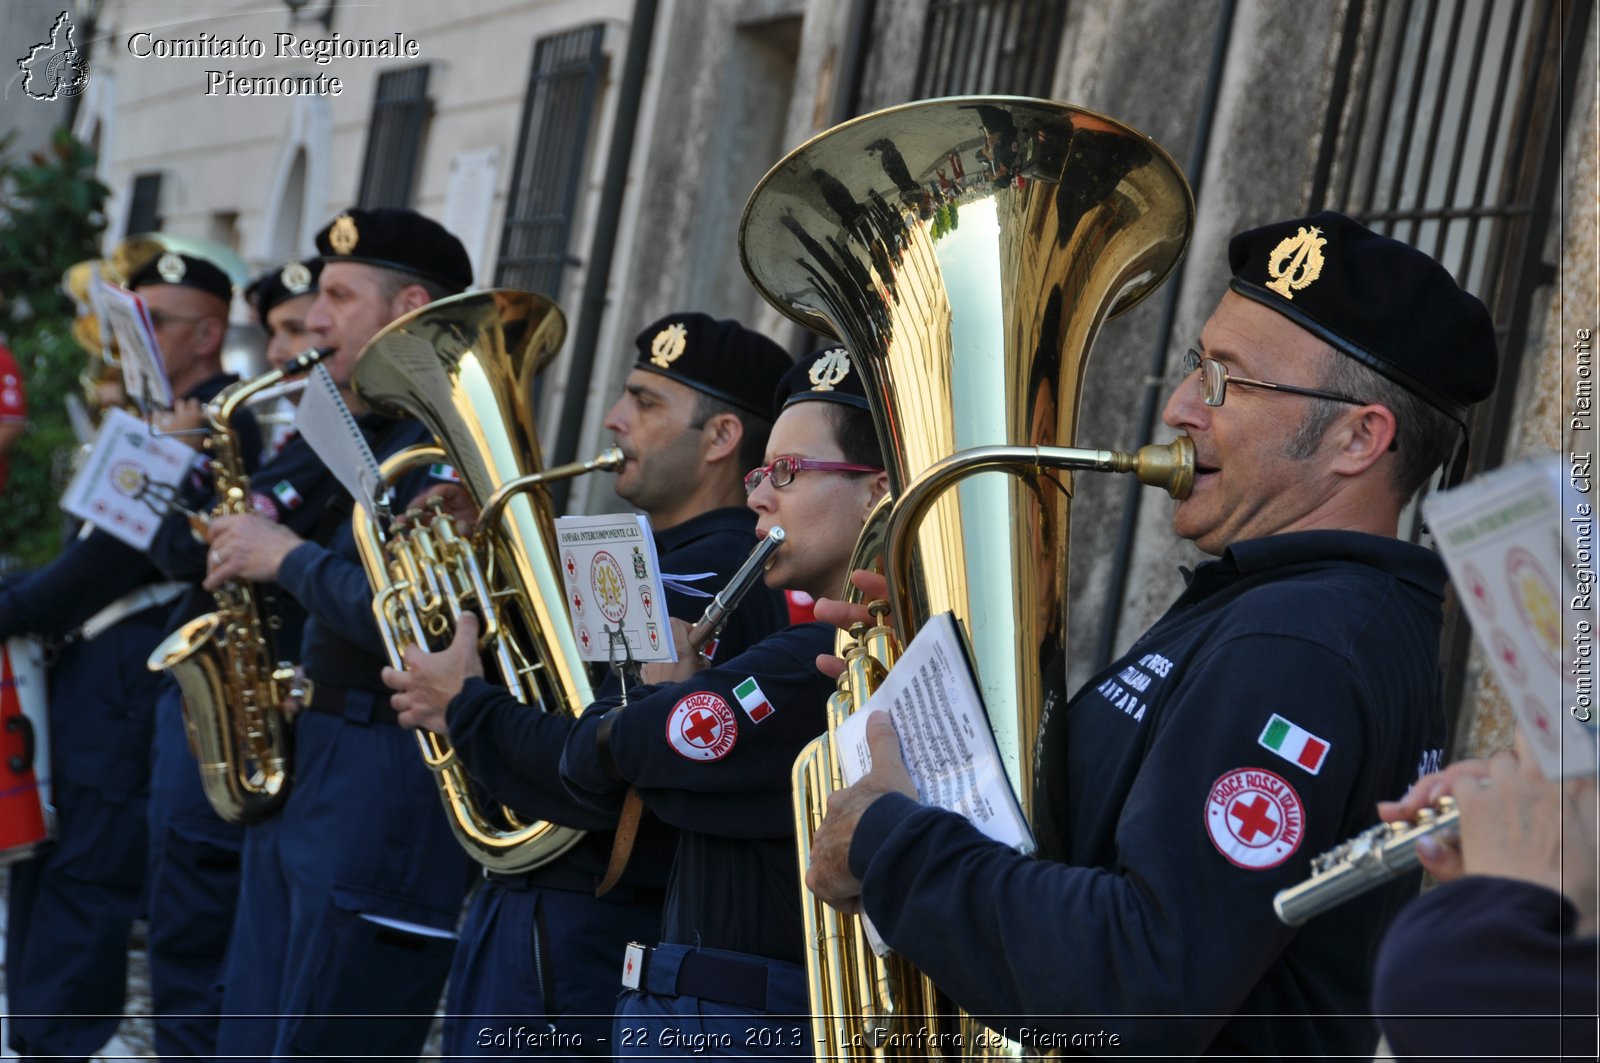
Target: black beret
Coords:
[(397, 239), (288, 281), (171, 267), (723, 359), (827, 375), (1383, 303)]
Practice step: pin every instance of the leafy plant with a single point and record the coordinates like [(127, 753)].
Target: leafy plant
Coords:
[(51, 216)]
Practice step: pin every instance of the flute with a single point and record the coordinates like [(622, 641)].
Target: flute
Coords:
[(727, 600), (1381, 852)]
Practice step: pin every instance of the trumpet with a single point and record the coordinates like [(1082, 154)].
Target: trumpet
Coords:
[(1378, 854)]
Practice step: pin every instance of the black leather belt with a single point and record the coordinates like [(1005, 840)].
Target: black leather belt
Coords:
[(562, 875), (722, 979), (329, 700)]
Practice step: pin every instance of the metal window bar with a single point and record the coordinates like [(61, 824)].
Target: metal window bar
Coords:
[(557, 113), (400, 113), (1401, 101), (989, 46), (144, 204)]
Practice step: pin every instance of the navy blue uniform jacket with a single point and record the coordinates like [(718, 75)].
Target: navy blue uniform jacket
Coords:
[(1175, 820), (717, 768), (516, 752), (1480, 966)]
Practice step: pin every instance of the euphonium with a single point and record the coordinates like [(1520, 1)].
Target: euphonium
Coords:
[(967, 252), (224, 662), (464, 367)]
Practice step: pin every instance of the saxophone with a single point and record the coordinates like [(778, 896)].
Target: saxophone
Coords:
[(224, 662)]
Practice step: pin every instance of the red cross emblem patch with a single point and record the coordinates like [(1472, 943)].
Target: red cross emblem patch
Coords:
[(702, 727), (1255, 818)]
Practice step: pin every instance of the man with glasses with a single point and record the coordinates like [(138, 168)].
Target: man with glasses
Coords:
[(71, 908), (1292, 685)]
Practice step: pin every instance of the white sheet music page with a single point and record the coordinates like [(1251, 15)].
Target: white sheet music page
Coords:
[(944, 735), (612, 579), (331, 430), (143, 373), (109, 490)]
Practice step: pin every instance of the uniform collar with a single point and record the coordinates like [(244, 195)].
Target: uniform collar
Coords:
[(1404, 561), (711, 522)]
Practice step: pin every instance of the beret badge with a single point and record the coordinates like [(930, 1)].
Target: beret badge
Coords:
[(830, 369), (296, 278), (171, 267), (343, 236), (1296, 261), (669, 345)]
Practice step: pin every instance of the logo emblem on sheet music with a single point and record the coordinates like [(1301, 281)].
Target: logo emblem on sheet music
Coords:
[(1296, 261), (669, 345), (702, 727), (127, 478), (605, 579), (1535, 594), (1255, 818)]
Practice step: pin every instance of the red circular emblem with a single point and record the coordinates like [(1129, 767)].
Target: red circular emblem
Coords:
[(1255, 818), (702, 727)]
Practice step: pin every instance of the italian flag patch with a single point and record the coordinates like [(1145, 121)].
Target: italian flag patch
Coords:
[(753, 701), (1294, 744), (441, 471), (284, 492)]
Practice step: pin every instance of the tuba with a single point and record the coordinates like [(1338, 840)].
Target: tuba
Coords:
[(464, 367), (966, 251), (233, 684)]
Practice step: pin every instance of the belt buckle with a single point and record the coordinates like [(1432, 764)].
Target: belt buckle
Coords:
[(633, 961)]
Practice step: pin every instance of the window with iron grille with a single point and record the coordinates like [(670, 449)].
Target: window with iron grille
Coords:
[(1444, 130), (144, 205), (551, 141), (400, 113), (990, 46)]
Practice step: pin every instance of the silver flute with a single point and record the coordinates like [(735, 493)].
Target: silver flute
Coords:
[(1375, 856), (727, 600)]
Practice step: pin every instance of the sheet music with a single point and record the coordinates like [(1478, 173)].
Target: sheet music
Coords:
[(612, 579), (944, 735), (110, 490), (331, 430), (143, 374), (1516, 542)]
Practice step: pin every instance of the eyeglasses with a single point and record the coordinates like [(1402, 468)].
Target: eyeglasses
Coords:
[(1214, 378), (159, 318), (782, 470)]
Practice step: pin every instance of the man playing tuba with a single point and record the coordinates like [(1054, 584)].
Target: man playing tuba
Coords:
[(1293, 684)]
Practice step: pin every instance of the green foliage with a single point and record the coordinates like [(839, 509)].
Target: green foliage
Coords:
[(51, 216)]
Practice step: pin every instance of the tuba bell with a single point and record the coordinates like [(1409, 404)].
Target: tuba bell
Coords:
[(464, 367), (967, 252)]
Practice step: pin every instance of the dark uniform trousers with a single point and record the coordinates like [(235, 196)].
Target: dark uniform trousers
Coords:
[(72, 907), (708, 1002), (536, 971), (195, 855)]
